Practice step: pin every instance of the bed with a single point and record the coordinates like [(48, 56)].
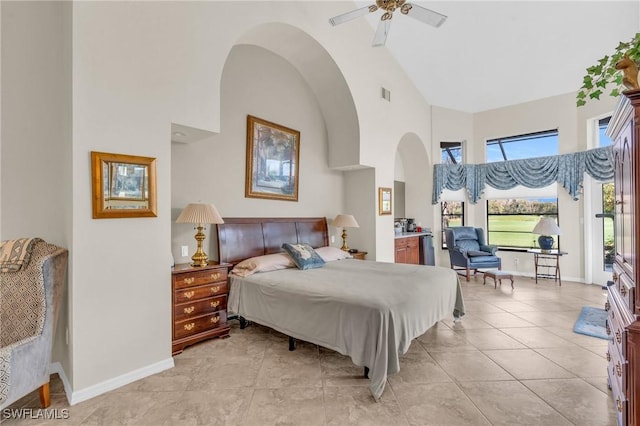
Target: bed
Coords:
[(369, 311)]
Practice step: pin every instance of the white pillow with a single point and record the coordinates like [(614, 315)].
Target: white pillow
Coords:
[(268, 262), (330, 253)]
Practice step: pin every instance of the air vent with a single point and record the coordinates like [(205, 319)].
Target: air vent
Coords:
[(385, 94)]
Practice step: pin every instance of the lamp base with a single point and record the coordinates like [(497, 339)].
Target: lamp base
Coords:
[(344, 240), (545, 242), (199, 258)]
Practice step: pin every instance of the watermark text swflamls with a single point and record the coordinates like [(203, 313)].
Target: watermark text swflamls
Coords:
[(37, 413)]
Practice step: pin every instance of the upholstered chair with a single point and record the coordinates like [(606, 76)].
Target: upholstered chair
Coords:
[(468, 250), (32, 275)]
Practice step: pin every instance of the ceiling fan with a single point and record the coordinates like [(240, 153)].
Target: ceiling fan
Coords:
[(420, 13)]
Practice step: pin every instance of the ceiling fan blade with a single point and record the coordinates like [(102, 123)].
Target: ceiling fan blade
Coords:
[(340, 19), (423, 14), (382, 32)]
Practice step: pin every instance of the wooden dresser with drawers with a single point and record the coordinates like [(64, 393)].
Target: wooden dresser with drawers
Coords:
[(199, 303), (623, 304)]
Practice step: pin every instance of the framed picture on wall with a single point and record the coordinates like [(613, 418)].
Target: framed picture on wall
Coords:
[(272, 160), (123, 186), (384, 201)]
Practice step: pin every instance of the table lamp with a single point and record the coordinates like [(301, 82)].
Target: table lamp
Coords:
[(345, 221), (199, 214), (546, 227)]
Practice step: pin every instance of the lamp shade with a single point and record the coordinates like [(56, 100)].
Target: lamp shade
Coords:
[(345, 221), (546, 226), (199, 213)]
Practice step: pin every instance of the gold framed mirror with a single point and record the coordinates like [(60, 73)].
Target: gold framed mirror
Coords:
[(123, 186), (384, 201)]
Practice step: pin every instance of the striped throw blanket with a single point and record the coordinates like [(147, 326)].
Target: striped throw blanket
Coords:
[(14, 254)]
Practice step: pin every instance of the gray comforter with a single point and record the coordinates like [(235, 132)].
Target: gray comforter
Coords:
[(370, 311)]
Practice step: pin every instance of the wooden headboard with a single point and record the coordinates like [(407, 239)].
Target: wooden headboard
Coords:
[(240, 238)]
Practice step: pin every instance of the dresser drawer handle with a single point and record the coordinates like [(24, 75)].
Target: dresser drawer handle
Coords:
[(215, 304), (189, 294), (608, 356), (215, 276), (618, 337), (608, 329), (623, 290), (189, 280), (607, 306), (189, 326), (615, 276), (619, 369), (215, 320), (619, 404), (215, 289)]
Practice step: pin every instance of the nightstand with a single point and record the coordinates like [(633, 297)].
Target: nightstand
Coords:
[(199, 303), (360, 255)]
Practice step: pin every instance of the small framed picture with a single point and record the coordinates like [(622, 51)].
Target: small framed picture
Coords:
[(384, 201)]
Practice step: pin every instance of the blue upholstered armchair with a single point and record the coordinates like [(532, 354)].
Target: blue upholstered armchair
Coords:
[(468, 250), (32, 274)]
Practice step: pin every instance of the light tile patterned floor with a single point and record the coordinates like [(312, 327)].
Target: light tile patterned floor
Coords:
[(512, 360)]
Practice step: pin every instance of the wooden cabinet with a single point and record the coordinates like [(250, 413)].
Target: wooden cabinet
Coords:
[(199, 304), (407, 250), (623, 306)]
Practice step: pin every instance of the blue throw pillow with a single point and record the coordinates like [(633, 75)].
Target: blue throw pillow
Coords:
[(303, 255)]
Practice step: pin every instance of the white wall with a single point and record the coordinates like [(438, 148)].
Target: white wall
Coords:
[(448, 126), (36, 110), (259, 83), (361, 201), (35, 153)]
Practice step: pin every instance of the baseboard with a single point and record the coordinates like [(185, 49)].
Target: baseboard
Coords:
[(542, 280), (75, 397)]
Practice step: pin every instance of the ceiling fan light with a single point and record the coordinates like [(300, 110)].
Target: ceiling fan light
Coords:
[(386, 16)]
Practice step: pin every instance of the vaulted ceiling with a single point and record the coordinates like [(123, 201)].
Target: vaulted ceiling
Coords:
[(490, 54)]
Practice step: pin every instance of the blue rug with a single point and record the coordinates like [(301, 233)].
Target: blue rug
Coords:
[(592, 322)]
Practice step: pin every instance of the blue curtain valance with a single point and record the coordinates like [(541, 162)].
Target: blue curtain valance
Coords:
[(566, 169)]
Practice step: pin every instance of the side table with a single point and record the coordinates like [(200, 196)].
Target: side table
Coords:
[(360, 255), (547, 263)]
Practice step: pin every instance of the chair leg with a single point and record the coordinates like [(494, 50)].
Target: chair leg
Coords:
[(45, 396), (468, 272)]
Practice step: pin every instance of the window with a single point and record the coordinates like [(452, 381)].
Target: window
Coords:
[(608, 203), (511, 220), (452, 215), (452, 212), (538, 144), (451, 152)]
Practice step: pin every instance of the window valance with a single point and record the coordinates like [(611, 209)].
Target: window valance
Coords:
[(566, 169)]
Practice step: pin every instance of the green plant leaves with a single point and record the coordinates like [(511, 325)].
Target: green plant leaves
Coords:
[(604, 72)]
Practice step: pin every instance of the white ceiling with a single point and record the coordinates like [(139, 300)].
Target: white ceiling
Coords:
[(490, 54)]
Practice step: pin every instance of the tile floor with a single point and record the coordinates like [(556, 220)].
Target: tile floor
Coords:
[(512, 360)]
